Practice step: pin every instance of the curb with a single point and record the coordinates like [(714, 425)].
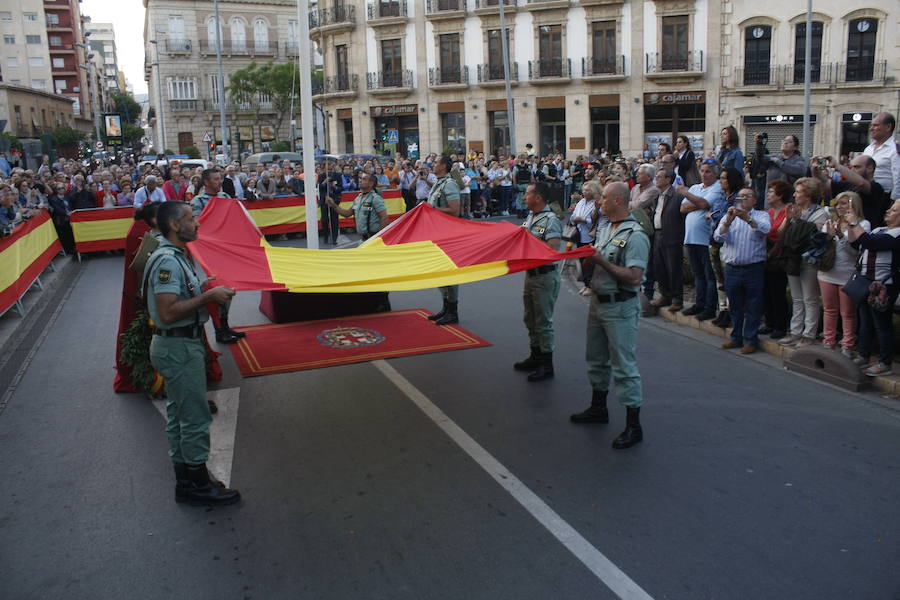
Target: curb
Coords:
[(889, 385)]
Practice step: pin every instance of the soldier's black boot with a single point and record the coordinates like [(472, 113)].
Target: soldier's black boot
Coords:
[(439, 314), (182, 483), (450, 316), (225, 334), (544, 369), (213, 409), (530, 363), (204, 492), (633, 432), (596, 412)]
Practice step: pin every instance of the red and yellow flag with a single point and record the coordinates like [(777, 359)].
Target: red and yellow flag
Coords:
[(24, 255), (425, 248)]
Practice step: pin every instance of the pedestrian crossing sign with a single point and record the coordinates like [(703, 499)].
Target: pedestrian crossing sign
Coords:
[(393, 136)]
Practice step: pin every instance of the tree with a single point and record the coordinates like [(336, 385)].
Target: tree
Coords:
[(14, 142), (192, 151), (128, 107), (276, 84), (66, 137)]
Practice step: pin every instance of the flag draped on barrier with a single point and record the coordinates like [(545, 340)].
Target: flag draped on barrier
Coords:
[(425, 248), (97, 229), (24, 255)]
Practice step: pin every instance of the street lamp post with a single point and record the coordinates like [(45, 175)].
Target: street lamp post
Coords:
[(89, 68), (221, 83), (159, 112)]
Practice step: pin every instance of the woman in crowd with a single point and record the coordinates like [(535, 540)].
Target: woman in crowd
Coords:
[(59, 213), (282, 185), (881, 250), (381, 180), (126, 196), (265, 187), (732, 181), (79, 196), (834, 300), (730, 154), (106, 197), (805, 285), (775, 282), (685, 161)]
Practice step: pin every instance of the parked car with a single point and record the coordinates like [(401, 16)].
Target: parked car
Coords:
[(266, 158)]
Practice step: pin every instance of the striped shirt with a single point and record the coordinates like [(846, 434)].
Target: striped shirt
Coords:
[(742, 244)]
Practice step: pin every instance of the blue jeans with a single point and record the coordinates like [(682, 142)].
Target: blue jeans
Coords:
[(874, 323), (704, 276), (744, 287), (505, 195)]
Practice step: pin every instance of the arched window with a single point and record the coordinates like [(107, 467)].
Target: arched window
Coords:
[(238, 35), (261, 35), (211, 33)]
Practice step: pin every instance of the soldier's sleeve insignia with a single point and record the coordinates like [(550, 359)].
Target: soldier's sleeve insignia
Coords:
[(164, 275)]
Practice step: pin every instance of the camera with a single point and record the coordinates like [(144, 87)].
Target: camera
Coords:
[(763, 137)]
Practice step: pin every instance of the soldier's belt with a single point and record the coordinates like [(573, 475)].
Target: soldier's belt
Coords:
[(187, 331), (617, 297), (542, 269)]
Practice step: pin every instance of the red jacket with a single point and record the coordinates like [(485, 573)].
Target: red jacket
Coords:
[(170, 193)]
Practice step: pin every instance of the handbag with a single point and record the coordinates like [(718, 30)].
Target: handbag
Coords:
[(878, 296), (570, 233), (149, 244), (858, 286)]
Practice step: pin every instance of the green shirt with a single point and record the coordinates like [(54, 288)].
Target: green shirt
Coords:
[(199, 202), (171, 272), (621, 248), (543, 225), (443, 192), (366, 207)]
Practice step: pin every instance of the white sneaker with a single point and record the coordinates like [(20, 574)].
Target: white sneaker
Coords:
[(789, 341), (804, 341), (861, 361), (848, 352), (877, 370)]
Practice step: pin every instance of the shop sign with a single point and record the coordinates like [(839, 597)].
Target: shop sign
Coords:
[(670, 98), (394, 109), (777, 119)]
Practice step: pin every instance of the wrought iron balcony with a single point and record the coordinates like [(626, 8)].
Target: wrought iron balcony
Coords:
[(388, 9), (187, 105), (861, 71), (454, 75), (340, 14), (439, 7), (487, 6), (546, 4), (550, 68), (820, 74), (493, 73), (387, 80), (337, 84), (239, 48), (689, 62), (758, 76), (175, 46), (603, 66)]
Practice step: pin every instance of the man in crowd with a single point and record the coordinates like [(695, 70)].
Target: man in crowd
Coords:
[(621, 253), (177, 309), (444, 196), (368, 208), (541, 286), (231, 184), (858, 177), (668, 221), (645, 193), (884, 151), (697, 201), (150, 192), (212, 187), (742, 233)]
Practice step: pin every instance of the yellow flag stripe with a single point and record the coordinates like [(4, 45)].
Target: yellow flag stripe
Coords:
[(267, 217), (107, 229), (23, 252)]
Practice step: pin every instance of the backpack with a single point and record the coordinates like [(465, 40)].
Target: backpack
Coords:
[(640, 215)]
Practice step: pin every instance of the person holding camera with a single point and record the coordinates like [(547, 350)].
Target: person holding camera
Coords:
[(788, 165), (422, 183), (858, 177)]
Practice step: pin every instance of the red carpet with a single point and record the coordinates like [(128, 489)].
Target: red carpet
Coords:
[(281, 348)]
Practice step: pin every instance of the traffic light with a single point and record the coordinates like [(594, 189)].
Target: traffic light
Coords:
[(212, 146)]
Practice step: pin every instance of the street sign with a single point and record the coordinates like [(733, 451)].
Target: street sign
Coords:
[(99, 145), (207, 138), (393, 136)]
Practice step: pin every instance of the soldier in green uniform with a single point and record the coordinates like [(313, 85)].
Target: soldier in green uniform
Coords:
[(212, 187), (621, 253), (177, 313), (444, 196), (368, 208), (541, 285)]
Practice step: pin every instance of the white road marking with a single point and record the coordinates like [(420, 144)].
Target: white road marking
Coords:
[(221, 432), (613, 577)]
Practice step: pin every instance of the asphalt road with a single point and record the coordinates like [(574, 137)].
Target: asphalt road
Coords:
[(751, 482)]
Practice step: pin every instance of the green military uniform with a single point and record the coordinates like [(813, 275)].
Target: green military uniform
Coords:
[(613, 318), (441, 194), (366, 207), (177, 351), (541, 283), (199, 202)]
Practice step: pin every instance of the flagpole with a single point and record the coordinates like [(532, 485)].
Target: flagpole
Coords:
[(310, 183)]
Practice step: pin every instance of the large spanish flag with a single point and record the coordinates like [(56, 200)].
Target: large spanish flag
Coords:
[(288, 214), (425, 248), (24, 255), (97, 229)]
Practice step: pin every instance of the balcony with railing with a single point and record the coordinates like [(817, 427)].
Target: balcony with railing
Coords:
[(546, 4), (337, 86), (192, 106), (603, 68), (549, 70), (387, 82), (490, 7), (240, 48), (176, 46), (338, 17), (861, 72), (491, 74), (821, 75), (757, 77), (677, 65), (445, 9), (388, 12), (453, 77)]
